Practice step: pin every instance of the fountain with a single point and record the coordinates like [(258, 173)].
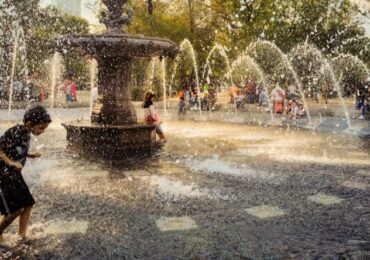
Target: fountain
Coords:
[(164, 87), (14, 60), (249, 62), (114, 129), (290, 68), (326, 65), (222, 52), (19, 58), (93, 70), (55, 74)]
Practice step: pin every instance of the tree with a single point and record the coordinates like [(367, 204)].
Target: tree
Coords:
[(40, 27)]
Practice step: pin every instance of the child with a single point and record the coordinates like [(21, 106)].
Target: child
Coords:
[(301, 112), (151, 117), (366, 104), (293, 110), (15, 197), (278, 96), (239, 99), (182, 105)]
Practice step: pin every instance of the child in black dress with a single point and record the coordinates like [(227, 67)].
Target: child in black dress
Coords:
[(15, 197)]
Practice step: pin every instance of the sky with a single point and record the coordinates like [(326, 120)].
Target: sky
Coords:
[(85, 12)]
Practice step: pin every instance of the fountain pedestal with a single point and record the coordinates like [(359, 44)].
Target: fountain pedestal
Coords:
[(114, 102)]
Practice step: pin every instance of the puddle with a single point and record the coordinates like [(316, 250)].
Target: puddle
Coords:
[(355, 185), (325, 199), (177, 223), (264, 212), (67, 227), (364, 172), (54, 227)]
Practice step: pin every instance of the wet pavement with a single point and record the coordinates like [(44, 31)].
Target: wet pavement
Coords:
[(213, 191)]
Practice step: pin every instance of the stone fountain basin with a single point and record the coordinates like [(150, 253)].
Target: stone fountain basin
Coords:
[(110, 141), (119, 44)]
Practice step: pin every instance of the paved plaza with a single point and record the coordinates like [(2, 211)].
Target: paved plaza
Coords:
[(214, 191)]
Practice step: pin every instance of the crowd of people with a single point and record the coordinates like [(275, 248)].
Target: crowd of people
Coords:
[(191, 99), (34, 89), (249, 92)]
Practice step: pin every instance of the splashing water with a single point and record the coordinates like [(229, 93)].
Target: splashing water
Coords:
[(14, 60), (55, 73), (290, 68), (164, 87), (222, 52), (336, 82), (186, 43), (151, 70), (353, 60), (93, 71), (245, 59)]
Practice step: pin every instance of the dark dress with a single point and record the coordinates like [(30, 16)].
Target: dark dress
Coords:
[(14, 193)]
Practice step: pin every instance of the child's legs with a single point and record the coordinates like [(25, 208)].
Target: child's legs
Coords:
[(23, 221), (7, 220), (159, 131), (365, 109), (191, 102)]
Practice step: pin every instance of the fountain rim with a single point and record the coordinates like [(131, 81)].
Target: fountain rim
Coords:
[(104, 36), (86, 125), (88, 43)]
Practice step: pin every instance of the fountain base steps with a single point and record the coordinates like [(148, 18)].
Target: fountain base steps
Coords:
[(110, 141)]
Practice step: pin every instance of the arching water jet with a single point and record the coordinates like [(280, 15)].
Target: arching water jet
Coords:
[(290, 68)]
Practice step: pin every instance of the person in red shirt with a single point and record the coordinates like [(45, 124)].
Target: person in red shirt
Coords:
[(69, 88), (73, 91)]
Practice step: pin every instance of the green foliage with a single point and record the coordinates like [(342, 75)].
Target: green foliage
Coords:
[(329, 25), (41, 26), (349, 69), (47, 26)]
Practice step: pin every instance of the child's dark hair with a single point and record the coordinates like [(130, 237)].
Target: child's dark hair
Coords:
[(36, 116), (148, 99)]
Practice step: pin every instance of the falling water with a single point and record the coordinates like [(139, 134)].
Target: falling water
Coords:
[(14, 60), (291, 69), (338, 89), (93, 71), (184, 43), (353, 60), (55, 73), (173, 75), (245, 59), (222, 52), (207, 67), (151, 70), (164, 88)]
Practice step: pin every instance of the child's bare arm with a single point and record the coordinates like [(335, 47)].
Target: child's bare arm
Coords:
[(34, 155), (9, 162)]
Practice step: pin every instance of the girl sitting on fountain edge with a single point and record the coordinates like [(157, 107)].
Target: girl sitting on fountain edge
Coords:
[(151, 117)]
